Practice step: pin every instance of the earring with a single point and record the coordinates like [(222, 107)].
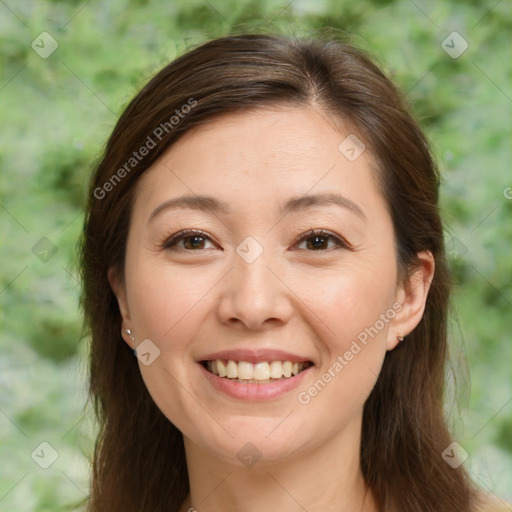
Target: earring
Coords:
[(400, 338), (130, 335)]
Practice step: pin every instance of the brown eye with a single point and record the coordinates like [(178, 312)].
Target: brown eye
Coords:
[(194, 242), (320, 241), (187, 240)]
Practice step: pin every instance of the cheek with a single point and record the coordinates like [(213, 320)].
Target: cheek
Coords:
[(167, 306), (353, 311), (164, 300), (348, 304)]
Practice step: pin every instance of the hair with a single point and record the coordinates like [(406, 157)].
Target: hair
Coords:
[(139, 459)]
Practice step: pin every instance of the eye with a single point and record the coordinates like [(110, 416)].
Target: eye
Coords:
[(195, 240), (190, 240), (320, 240)]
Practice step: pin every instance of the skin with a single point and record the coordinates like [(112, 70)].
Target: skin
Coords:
[(295, 297)]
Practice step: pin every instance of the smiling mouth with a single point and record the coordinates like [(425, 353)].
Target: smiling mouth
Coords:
[(257, 373)]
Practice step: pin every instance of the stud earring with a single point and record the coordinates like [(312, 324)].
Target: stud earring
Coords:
[(400, 338), (130, 335)]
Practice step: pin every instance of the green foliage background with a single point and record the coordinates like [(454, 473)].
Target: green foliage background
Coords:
[(57, 113)]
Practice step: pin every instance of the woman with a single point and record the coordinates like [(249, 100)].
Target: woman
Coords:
[(267, 290)]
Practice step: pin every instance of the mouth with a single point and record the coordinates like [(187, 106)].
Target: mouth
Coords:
[(260, 372)]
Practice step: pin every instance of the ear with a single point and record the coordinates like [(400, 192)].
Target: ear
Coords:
[(119, 290), (412, 296)]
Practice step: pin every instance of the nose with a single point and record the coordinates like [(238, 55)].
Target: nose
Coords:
[(254, 296)]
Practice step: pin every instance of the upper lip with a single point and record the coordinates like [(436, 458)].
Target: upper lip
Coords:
[(254, 356)]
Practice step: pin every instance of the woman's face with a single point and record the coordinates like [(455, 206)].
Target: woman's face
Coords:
[(290, 258)]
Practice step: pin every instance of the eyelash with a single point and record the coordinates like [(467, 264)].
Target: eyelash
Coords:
[(171, 241), (340, 241)]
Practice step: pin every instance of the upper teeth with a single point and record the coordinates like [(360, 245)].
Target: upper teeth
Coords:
[(264, 370)]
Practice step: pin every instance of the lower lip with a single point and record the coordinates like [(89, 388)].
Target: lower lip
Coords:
[(254, 392)]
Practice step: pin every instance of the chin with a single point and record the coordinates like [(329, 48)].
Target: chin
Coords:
[(256, 440)]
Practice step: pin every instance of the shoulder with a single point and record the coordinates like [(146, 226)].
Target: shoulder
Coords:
[(490, 503)]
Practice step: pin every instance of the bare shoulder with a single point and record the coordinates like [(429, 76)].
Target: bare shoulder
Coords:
[(490, 503)]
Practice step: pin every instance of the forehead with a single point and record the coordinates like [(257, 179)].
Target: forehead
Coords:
[(262, 156)]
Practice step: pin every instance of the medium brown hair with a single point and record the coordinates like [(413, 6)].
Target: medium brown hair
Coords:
[(139, 460)]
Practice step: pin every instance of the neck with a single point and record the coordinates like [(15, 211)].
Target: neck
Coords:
[(325, 477)]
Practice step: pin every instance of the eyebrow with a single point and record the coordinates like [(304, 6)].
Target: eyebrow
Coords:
[(295, 204)]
